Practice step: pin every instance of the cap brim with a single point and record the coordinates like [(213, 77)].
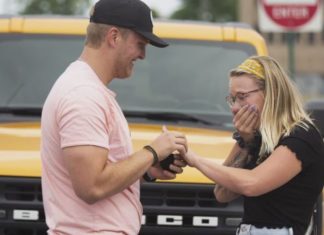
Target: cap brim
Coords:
[(153, 39)]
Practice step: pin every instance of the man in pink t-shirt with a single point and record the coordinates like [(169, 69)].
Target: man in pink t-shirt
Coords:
[(90, 174)]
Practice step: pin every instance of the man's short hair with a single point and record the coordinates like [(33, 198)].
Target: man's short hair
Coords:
[(96, 33)]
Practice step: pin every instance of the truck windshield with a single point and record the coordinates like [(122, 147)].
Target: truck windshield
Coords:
[(189, 77)]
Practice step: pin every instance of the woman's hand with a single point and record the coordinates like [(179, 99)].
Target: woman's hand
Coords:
[(191, 158), (246, 122)]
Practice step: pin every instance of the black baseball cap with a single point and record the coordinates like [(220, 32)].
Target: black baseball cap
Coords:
[(131, 14)]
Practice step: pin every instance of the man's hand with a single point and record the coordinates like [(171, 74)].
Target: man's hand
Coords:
[(169, 142), (176, 167)]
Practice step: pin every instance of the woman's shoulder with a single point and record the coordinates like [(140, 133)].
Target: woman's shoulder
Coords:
[(307, 132), (306, 142), (305, 136)]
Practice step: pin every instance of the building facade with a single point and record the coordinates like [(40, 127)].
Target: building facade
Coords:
[(308, 69)]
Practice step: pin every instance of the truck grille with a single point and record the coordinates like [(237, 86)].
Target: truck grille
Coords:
[(175, 195), (21, 207), (172, 208), (169, 208)]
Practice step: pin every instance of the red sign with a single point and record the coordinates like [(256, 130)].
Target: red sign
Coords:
[(291, 15)]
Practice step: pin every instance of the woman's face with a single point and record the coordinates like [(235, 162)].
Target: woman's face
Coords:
[(243, 90)]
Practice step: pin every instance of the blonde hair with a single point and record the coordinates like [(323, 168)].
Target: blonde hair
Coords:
[(283, 104), (96, 34)]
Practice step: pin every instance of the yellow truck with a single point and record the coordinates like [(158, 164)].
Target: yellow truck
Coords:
[(182, 86)]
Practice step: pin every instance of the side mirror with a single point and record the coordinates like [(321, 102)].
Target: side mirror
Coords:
[(316, 110)]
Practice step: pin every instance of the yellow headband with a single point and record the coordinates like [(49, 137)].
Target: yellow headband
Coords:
[(253, 67)]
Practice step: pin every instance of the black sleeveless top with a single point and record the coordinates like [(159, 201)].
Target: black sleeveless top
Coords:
[(292, 204)]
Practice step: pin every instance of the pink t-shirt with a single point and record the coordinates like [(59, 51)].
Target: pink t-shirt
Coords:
[(81, 110)]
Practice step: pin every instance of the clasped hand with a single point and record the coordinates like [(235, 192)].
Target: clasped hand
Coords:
[(246, 121), (169, 142)]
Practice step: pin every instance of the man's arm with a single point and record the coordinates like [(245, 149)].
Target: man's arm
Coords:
[(94, 177)]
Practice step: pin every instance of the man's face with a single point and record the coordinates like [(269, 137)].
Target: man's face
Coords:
[(131, 48)]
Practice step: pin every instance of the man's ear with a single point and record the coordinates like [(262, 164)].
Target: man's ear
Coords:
[(113, 36)]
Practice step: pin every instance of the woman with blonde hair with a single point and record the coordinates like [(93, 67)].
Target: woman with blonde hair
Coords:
[(277, 163)]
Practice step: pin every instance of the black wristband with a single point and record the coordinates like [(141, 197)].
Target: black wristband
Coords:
[(236, 136), (148, 178), (253, 146), (155, 156)]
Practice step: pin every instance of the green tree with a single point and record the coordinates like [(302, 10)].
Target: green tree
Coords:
[(207, 10), (155, 13), (63, 7)]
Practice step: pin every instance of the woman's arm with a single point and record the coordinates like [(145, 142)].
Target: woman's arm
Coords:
[(280, 167), (238, 158)]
